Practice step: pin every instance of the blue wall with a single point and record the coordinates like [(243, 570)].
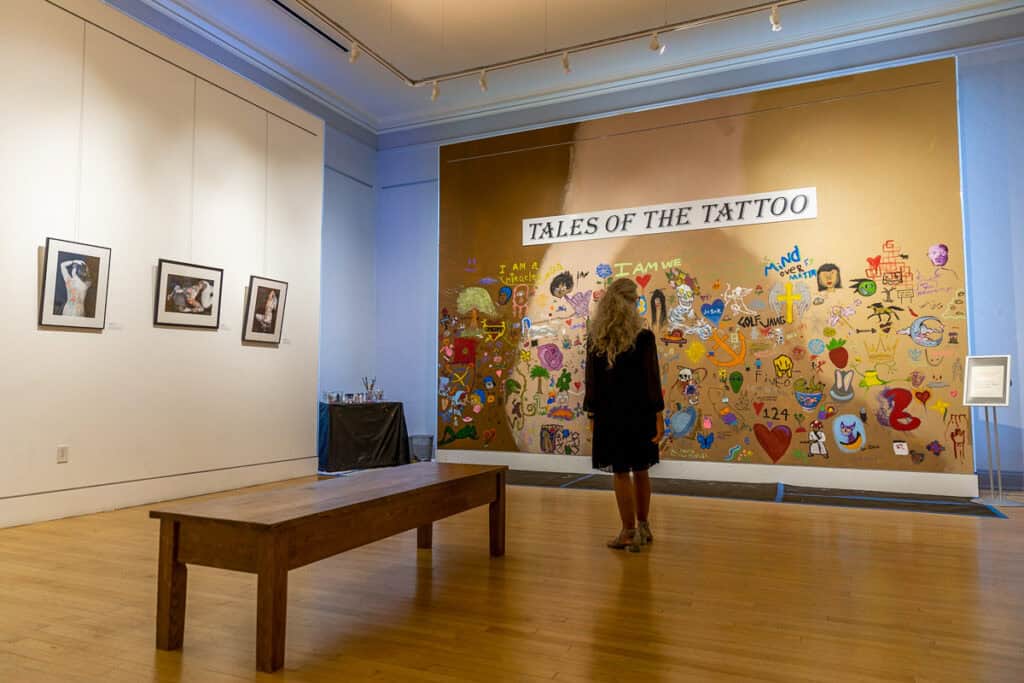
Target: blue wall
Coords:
[(407, 243), (348, 306), (992, 133)]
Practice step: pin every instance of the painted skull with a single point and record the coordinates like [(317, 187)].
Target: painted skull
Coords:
[(684, 294)]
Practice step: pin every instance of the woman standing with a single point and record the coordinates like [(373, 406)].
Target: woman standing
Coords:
[(624, 401)]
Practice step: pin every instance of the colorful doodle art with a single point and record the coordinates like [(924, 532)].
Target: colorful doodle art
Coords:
[(836, 341)]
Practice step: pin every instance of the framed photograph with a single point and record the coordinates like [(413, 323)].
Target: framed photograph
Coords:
[(188, 295), (987, 381), (75, 282), (264, 310)]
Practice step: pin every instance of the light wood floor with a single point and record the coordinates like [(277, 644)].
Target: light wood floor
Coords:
[(731, 590)]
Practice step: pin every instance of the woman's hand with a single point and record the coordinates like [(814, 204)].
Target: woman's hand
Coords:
[(659, 429)]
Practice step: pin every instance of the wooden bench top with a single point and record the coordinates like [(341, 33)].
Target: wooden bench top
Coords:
[(263, 509)]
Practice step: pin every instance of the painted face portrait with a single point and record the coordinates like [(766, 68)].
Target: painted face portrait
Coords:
[(828, 278), (938, 254), (561, 285)]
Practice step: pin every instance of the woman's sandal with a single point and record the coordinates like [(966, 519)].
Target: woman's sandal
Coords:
[(643, 529), (628, 539)]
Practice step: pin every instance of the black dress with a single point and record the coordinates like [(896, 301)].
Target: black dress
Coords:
[(625, 400)]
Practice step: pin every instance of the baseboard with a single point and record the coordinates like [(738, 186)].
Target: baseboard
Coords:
[(1012, 480), (939, 484), (41, 507)]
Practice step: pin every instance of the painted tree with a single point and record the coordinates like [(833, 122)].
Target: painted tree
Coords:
[(540, 372), (564, 381), (473, 301)]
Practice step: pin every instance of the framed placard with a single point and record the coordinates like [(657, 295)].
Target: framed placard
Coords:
[(987, 381)]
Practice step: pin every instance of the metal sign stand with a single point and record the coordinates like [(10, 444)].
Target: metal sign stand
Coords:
[(987, 382), (996, 496)]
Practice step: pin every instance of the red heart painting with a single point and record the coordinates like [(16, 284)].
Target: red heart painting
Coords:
[(578, 385), (774, 441), (923, 397), (643, 280), (757, 407), (874, 262)]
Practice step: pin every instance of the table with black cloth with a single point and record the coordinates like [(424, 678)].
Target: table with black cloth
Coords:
[(358, 436)]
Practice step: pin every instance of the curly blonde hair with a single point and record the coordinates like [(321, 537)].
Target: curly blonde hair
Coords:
[(616, 324)]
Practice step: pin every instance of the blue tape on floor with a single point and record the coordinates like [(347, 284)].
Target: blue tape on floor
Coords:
[(780, 492), (576, 480), (995, 511)]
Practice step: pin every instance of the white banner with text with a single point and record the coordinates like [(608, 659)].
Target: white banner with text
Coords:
[(699, 214)]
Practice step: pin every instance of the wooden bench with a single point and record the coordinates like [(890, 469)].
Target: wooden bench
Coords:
[(270, 532)]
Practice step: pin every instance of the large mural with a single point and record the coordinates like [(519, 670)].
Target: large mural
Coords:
[(837, 341)]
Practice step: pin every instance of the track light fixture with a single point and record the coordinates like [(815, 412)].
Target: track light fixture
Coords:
[(656, 45), (310, 14)]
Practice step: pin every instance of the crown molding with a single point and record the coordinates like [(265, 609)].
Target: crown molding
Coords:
[(214, 42)]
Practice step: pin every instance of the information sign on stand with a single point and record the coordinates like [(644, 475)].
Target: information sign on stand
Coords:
[(987, 384)]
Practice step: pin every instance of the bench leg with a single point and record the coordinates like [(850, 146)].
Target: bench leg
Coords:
[(497, 510), (425, 536), (172, 581), (271, 603)]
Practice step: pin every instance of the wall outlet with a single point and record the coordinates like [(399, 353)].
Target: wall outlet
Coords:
[(62, 454)]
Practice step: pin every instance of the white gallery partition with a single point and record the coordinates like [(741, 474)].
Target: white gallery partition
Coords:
[(113, 135)]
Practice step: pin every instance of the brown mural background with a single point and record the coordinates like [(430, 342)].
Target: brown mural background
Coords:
[(868, 372)]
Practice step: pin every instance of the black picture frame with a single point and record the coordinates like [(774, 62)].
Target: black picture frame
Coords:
[(170, 294), (252, 316), (95, 296)]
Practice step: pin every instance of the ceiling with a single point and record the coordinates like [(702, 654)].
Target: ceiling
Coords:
[(427, 37), (424, 38)]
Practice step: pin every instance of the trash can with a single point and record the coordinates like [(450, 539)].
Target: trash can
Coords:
[(421, 446)]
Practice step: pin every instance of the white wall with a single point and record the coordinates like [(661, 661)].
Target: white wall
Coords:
[(113, 135), (348, 330)]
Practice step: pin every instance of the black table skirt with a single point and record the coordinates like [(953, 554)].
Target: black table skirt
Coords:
[(356, 436)]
